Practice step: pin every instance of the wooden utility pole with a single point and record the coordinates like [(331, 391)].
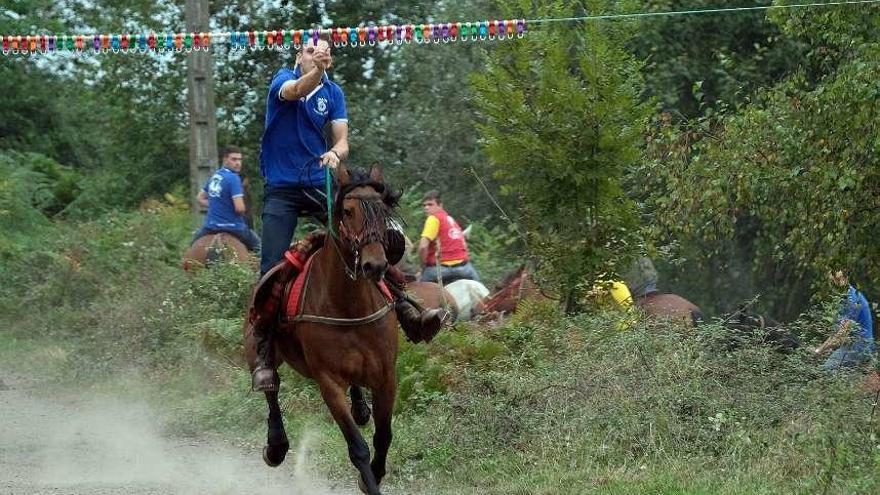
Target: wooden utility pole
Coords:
[(202, 114)]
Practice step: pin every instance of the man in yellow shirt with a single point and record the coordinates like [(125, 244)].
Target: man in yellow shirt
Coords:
[(614, 297), (443, 248), (620, 297)]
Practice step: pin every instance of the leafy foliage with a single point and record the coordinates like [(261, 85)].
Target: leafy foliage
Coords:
[(562, 121), (799, 194), (726, 56)]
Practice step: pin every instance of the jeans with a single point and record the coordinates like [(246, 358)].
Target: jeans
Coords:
[(247, 236), (282, 207), (450, 274)]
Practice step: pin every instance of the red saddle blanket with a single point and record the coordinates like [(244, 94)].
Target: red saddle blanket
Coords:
[(281, 293), (293, 293)]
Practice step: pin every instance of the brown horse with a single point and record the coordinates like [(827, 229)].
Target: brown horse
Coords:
[(347, 333), (431, 295), (509, 292), (669, 306), (213, 248)]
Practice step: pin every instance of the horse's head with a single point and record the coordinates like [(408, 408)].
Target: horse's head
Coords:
[(363, 207), (508, 293), (743, 319), (511, 280)]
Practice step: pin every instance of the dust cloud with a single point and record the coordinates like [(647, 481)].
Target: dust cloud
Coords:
[(98, 446)]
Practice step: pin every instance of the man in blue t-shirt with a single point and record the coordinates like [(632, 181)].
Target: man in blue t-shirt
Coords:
[(853, 342), (301, 105), (223, 194)]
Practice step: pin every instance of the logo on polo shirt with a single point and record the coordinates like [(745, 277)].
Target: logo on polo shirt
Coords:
[(322, 106), (215, 188)]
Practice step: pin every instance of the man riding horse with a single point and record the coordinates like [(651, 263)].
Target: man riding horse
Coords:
[(223, 195), (443, 248), (301, 103)]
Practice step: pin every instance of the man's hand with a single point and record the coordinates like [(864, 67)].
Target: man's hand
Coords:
[(322, 60), (838, 339), (330, 159), (424, 243)]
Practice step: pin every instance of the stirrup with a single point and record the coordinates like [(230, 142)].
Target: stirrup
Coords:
[(264, 379)]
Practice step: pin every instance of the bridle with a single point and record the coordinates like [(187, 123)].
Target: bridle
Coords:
[(373, 231)]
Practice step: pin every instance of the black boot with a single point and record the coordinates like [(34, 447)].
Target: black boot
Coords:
[(264, 377), (419, 326)]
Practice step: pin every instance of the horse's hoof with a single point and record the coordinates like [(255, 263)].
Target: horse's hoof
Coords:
[(363, 486), (272, 462), (264, 380), (360, 413)]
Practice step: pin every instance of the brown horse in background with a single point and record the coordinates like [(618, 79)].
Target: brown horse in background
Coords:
[(519, 285), (347, 334), (430, 296), (669, 306), (509, 292), (214, 248)]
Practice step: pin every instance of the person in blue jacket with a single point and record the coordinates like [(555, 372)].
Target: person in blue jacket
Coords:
[(853, 342)]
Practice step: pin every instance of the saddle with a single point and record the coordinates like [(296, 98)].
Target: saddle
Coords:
[(280, 293), (269, 292)]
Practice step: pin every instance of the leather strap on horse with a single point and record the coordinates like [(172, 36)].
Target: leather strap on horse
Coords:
[(346, 322), (294, 296)]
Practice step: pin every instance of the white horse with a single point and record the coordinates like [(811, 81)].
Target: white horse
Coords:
[(467, 294)]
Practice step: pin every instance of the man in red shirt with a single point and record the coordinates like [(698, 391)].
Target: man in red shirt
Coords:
[(443, 248)]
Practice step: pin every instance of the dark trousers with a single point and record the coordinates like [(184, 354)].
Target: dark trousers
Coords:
[(282, 207), (449, 274)]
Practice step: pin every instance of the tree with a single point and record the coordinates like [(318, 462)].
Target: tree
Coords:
[(726, 55), (562, 121), (768, 198)]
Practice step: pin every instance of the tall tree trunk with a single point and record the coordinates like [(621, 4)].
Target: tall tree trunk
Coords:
[(202, 114)]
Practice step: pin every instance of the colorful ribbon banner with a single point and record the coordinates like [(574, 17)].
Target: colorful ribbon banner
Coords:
[(266, 40)]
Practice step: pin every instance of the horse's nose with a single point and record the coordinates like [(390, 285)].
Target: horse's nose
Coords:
[(374, 269)]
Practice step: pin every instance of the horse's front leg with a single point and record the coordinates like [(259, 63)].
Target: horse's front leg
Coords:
[(383, 407), (360, 410), (358, 450), (277, 444)]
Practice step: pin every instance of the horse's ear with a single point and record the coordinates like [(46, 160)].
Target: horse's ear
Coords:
[(343, 178), (376, 173)]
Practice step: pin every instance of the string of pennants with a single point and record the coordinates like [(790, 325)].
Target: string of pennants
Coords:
[(261, 40)]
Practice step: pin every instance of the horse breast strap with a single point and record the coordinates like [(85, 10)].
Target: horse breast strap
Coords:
[(295, 297)]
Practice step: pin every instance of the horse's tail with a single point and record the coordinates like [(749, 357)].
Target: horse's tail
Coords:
[(697, 317), (213, 255)]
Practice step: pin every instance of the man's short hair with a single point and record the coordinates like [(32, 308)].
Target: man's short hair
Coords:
[(228, 150), (432, 195)]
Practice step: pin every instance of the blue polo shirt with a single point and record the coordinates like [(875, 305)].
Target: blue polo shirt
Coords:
[(221, 188), (293, 140), (857, 310)]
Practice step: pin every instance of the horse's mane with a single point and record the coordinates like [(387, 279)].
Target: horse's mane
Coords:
[(359, 177), (510, 278)]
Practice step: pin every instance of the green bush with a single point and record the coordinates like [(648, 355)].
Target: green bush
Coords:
[(576, 399)]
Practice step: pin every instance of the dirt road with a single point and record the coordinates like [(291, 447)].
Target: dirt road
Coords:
[(59, 445)]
